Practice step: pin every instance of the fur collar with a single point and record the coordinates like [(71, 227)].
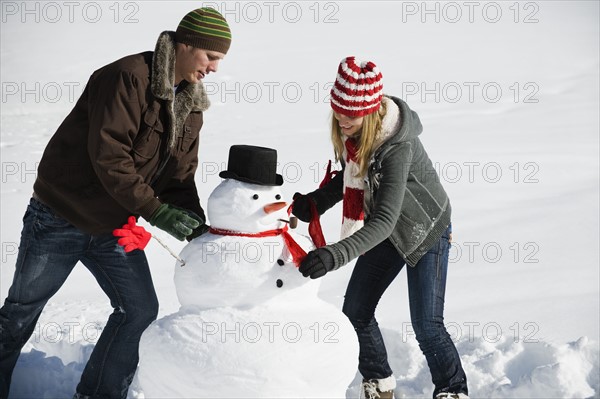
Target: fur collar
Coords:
[(163, 75), (390, 123), (192, 98)]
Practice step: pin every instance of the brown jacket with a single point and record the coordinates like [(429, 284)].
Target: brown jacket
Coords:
[(128, 145)]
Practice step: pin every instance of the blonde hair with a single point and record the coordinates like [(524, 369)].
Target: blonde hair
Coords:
[(366, 136)]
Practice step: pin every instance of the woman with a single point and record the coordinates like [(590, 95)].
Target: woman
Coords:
[(395, 212)]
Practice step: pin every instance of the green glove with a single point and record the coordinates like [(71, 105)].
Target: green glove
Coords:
[(175, 221)]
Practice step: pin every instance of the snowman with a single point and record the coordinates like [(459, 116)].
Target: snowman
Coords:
[(249, 325)]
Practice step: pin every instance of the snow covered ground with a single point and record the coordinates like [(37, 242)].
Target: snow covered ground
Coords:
[(508, 93)]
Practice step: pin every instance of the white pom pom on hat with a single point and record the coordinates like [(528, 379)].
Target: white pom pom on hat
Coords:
[(358, 88)]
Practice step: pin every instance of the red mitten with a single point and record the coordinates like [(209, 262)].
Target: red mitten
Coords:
[(132, 236)]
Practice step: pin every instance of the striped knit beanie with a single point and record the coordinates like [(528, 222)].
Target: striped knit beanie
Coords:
[(204, 28), (358, 88)]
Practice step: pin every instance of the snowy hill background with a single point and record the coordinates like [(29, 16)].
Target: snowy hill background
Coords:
[(508, 93)]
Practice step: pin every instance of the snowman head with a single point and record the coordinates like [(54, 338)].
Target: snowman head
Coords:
[(246, 207), (249, 199)]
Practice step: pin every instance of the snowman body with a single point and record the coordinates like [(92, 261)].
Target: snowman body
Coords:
[(240, 272), (250, 325)]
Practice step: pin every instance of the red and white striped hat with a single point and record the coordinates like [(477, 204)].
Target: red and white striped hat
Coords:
[(358, 88)]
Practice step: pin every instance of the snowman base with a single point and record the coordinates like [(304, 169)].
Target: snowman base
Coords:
[(231, 353)]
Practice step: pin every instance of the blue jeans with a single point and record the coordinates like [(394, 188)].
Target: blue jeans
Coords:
[(49, 249), (373, 273)]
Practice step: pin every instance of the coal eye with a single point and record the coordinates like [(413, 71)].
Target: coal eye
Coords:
[(255, 196), (278, 197)]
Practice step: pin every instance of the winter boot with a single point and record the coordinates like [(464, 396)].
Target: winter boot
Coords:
[(449, 395), (378, 388)]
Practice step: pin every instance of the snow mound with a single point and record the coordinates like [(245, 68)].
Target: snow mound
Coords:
[(502, 369), (40, 376)]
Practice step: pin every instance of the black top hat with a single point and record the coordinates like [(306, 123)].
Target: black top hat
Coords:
[(252, 164)]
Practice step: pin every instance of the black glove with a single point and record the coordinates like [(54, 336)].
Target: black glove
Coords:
[(317, 263), (178, 222), (301, 208), (198, 231)]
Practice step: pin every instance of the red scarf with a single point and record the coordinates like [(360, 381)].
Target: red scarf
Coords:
[(295, 249), (354, 193)]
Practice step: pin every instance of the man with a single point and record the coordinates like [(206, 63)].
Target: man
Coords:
[(129, 147)]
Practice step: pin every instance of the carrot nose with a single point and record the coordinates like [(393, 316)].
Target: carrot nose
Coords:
[(275, 206)]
